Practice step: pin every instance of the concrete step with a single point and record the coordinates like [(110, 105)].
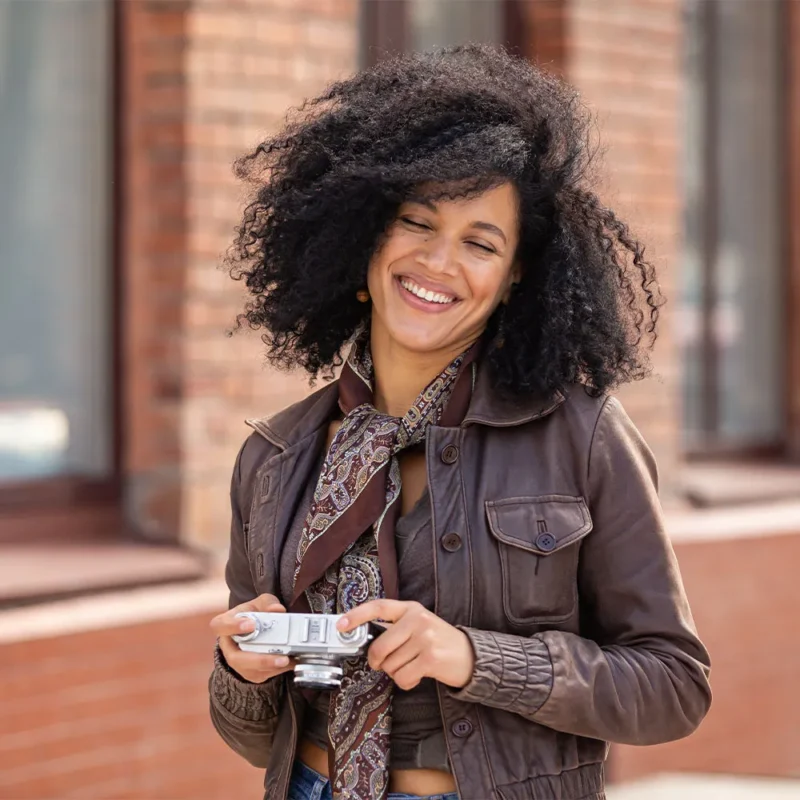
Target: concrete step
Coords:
[(706, 787)]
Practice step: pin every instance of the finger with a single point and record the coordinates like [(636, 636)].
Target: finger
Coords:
[(395, 636), (230, 623), (400, 658), (389, 610), (244, 661), (267, 602), (409, 676)]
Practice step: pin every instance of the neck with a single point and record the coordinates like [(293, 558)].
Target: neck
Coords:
[(401, 374)]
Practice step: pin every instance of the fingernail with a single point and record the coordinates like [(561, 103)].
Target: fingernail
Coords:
[(247, 625), (281, 661), (342, 623)]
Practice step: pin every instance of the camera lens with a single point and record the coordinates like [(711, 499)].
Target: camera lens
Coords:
[(317, 676)]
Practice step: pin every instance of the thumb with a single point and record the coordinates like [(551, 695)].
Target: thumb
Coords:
[(266, 602)]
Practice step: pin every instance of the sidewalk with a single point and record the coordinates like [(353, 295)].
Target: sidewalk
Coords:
[(706, 787)]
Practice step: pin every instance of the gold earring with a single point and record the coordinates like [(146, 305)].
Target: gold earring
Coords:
[(362, 295)]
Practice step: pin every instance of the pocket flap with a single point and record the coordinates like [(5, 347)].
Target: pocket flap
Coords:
[(541, 525)]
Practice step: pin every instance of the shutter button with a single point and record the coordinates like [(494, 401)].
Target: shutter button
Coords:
[(450, 454), (546, 542), (451, 542), (462, 728)]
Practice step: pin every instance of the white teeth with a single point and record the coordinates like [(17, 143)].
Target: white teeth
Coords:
[(426, 294)]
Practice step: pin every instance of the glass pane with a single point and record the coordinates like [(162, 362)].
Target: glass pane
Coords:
[(54, 238), (742, 211), (749, 320), (436, 23)]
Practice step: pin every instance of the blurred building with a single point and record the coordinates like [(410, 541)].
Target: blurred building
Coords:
[(122, 400)]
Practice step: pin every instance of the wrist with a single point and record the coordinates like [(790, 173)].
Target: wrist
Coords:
[(466, 663)]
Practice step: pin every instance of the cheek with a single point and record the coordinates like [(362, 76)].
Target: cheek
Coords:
[(487, 285), (385, 254)]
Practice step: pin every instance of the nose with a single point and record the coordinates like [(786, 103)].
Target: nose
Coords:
[(436, 254)]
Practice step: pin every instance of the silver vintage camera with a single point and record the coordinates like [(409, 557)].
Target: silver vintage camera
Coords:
[(312, 640)]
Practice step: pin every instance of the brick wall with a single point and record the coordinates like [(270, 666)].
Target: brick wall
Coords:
[(624, 57), (115, 714), (123, 713), (744, 596), (153, 229), (203, 82)]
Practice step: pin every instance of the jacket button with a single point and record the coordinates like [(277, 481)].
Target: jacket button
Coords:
[(450, 454), (546, 542), (462, 728), (451, 542)]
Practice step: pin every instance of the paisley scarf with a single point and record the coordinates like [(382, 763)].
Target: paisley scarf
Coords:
[(347, 551)]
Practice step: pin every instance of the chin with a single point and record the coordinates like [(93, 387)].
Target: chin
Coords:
[(420, 343), (416, 339)]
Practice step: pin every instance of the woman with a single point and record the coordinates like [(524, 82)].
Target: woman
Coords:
[(467, 479)]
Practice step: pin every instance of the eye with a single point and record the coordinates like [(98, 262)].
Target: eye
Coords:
[(414, 224), (483, 247)]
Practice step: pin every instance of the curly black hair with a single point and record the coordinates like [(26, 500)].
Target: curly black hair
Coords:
[(464, 119)]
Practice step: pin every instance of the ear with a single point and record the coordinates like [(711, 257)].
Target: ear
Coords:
[(514, 277)]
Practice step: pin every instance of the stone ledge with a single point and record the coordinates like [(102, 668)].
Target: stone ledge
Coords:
[(734, 522), (98, 612), (53, 570)]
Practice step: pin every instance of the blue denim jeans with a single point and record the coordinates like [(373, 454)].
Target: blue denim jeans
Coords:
[(310, 785)]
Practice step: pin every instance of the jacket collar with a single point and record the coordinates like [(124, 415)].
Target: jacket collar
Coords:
[(303, 419)]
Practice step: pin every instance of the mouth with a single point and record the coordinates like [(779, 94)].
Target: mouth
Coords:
[(425, 298)]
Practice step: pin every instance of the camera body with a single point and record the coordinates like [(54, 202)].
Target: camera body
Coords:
[(312, 640)]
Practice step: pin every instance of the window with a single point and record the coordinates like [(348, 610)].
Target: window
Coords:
[(56, 179), (434, 23), (731, 323), (413, 25)]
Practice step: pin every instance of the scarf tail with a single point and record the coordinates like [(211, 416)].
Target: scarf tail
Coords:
[(347, 552)]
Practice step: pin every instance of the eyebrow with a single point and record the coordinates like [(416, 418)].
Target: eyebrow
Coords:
[(486, 226)]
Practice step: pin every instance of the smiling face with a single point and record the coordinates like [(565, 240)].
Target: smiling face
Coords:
[(442, 270)]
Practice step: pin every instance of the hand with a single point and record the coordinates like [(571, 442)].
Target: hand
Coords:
[(417, 644), (253, 667)]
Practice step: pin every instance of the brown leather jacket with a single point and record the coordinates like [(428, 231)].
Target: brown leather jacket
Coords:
[(550, 552)]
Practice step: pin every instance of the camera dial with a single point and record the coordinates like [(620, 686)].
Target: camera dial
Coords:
[(261, 626)]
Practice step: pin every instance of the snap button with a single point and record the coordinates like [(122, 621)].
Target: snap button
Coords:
[(546, 542), (462, 728), (451, 542), (450, 454)]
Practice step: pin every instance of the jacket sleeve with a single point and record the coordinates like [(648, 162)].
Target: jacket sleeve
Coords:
[(640, 675), (244, 714)]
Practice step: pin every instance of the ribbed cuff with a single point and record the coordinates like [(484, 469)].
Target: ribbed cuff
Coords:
[(249, 701), (513, 673)]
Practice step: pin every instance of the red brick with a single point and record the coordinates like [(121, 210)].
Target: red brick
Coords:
[(743, 593)]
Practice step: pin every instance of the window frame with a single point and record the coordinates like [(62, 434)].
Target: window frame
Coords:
[(24, 503), (710, 446)]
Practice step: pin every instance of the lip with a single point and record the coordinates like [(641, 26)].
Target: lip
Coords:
[(417, 302), (427, 283)]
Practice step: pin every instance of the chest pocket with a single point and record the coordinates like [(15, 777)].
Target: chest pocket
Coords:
[(539, 540)]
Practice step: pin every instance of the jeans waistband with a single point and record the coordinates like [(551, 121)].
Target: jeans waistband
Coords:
[(313, 785)]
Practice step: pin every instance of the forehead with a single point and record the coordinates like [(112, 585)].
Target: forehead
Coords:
[(503, 196)]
